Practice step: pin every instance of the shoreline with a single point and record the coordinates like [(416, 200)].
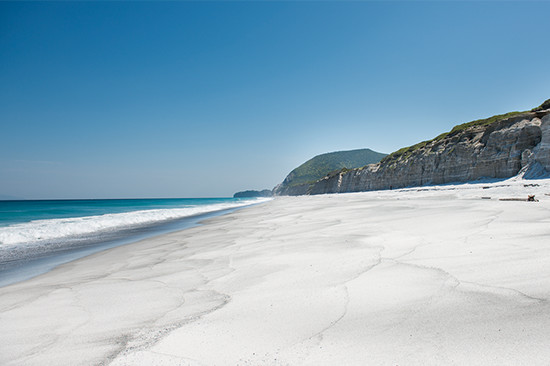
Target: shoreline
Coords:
[(34, 264), (436, 276)]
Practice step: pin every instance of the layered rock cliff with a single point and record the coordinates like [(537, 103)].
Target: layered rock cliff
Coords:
[(498, 147)]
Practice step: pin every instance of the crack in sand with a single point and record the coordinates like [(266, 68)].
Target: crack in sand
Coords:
[(145, 338), (36, 351), (149, 334), (497, 290), (501, 291), (319, 334)]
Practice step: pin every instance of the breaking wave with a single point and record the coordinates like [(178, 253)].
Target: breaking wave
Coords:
[(66, 228)]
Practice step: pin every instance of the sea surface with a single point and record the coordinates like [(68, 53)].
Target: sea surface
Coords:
[(36, 236)]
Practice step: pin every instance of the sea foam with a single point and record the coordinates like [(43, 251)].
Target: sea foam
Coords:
[(38, 231)]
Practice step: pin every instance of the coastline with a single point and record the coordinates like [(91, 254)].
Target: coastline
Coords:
[(428, 275), (23, 269)]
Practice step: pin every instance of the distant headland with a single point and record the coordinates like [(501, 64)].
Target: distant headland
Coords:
[(501, 146), (253, 193)]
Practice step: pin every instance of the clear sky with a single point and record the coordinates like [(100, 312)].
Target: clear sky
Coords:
[(202, 99)]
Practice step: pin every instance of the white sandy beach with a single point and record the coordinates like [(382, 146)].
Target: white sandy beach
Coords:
[(428, 276)]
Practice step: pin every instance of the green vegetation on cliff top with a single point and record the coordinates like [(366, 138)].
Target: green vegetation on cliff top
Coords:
[(543, 106), (319, 166), (342, 161), (407, 151)]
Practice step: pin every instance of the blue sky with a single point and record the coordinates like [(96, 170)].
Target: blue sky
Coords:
[(201, 99)]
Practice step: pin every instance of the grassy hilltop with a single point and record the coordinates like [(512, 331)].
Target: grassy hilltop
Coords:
[(319, 166)]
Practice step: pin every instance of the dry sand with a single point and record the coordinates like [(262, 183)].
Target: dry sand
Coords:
[(436, 276)]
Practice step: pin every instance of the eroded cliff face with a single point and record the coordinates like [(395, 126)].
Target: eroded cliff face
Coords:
[(499, 150), (285, 189)]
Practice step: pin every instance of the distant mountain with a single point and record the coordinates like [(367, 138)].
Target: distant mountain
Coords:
[(252, 193), (316, 168)]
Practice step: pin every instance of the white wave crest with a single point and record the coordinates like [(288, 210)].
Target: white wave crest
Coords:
[(47, 230)]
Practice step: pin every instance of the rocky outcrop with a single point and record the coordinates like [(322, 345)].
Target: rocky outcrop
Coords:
[(541, 153), (494, 148), (298, 181)]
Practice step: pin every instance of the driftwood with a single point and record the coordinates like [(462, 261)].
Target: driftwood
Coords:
[(530, 198)]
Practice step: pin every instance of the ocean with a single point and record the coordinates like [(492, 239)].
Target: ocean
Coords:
[(36, 236)]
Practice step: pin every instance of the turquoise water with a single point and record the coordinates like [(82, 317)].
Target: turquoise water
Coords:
[(13, 212), (36, 236)]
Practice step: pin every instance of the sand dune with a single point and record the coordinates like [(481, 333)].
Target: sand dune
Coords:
[(431, 276)]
